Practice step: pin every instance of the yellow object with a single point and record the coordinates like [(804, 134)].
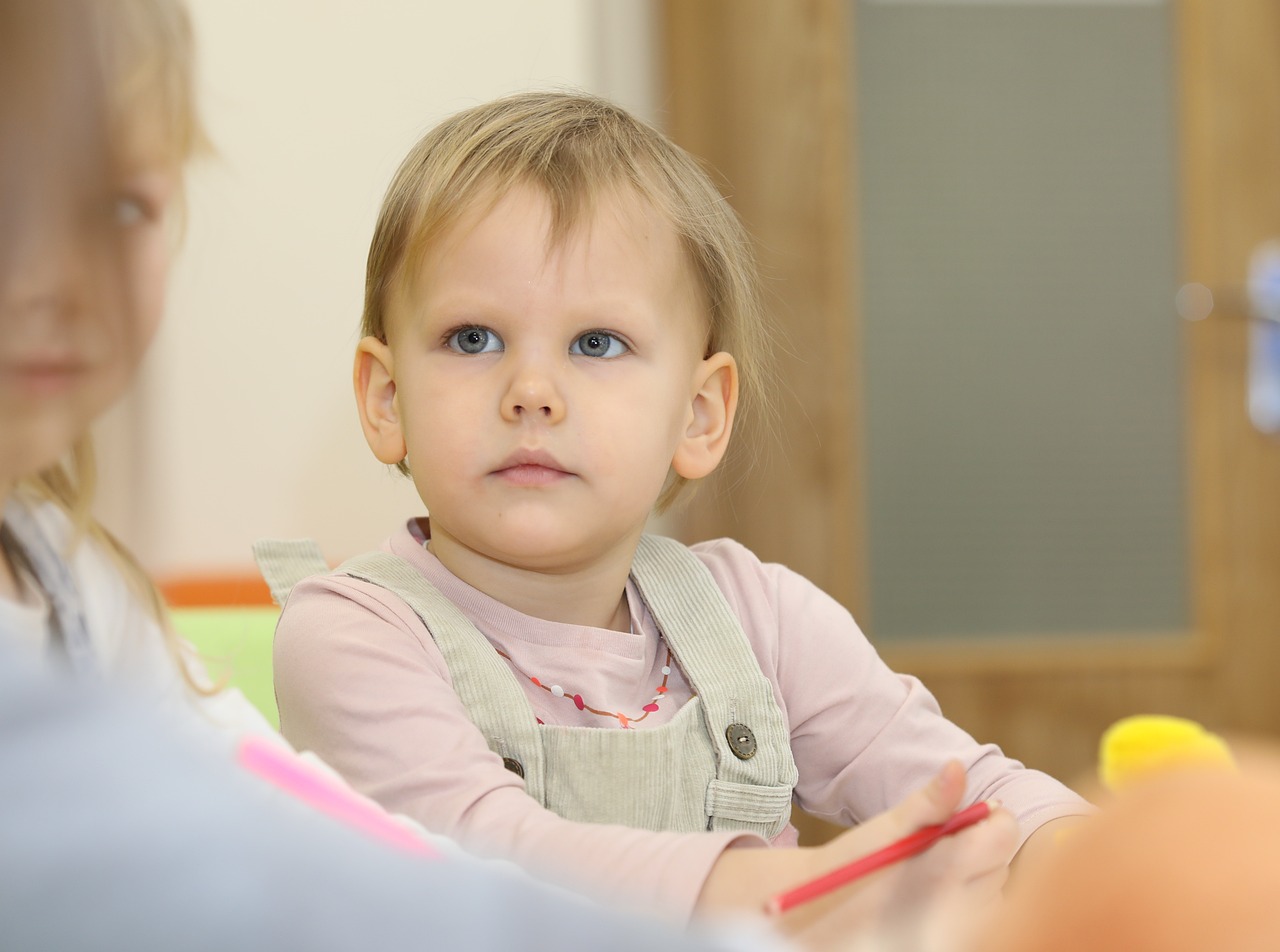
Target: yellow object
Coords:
[(1139, 747)]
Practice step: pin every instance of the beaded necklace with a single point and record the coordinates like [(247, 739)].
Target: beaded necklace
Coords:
[(623, 720)]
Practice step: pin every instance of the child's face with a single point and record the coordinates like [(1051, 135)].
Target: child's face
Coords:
[(542, 392), (78, 307)]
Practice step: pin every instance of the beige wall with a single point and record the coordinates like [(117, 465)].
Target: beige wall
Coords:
[(244, 425)]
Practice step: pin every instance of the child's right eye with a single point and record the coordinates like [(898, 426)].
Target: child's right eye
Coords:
[(474, 340)]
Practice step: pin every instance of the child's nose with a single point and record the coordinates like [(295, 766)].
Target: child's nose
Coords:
[(46, 278), (533, 393)]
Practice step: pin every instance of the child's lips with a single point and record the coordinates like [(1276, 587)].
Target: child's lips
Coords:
[(531, 468), (42, 376), (528, 474)]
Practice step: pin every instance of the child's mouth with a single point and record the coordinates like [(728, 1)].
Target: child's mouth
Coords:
[(42, 377), (531, 474)]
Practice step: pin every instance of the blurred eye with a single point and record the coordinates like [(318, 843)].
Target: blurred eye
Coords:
[(474, 340), (141, 194), (129, 210), (598, 344)]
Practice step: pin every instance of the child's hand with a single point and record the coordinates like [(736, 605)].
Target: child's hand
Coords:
[(932, 901)]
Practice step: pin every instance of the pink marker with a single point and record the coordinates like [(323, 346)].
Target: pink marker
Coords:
[(287, 771)]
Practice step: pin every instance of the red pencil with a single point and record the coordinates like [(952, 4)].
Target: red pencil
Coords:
[(908, 846)]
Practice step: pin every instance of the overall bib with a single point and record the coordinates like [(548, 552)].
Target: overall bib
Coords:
[(722, 763)]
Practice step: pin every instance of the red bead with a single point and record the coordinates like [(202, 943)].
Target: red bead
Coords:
[(577, 699), (650, 708), (662, 689), (536, 681)]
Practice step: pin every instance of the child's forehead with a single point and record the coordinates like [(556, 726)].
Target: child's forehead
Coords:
[(615, 215), (568, 214)]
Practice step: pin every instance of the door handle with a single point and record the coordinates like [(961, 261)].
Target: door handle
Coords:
[(1259, 302)]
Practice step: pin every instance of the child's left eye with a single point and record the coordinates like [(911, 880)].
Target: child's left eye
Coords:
[(130, 210), (598, 344)]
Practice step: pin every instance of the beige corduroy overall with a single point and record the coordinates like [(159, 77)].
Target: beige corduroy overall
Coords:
[(722, 763)]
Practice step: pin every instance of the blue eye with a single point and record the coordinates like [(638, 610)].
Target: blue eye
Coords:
[(474, 340), (598, 344)]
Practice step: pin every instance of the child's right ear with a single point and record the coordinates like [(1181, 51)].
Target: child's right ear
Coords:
[(375, 386)]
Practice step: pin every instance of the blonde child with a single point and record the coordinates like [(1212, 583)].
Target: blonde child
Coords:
[(112, 825), (561, 317), (86, 268)]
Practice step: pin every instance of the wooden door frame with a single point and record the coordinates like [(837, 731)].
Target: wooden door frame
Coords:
[(759, 91), (763, 92)]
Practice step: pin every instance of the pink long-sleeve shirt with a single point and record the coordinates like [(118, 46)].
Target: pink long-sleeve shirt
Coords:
[(360, 681)]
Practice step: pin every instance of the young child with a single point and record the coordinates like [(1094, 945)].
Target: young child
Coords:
[(111, 824), (561, 314), (117, 831), (90, 185)]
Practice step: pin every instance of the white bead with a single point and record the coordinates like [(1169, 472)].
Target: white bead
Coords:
[(666, 669), (557, 690)]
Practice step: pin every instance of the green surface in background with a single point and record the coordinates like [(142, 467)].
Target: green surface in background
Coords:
[(235, 644)]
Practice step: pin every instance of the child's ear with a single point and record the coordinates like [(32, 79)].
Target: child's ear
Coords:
[(375, 385), (715, 400)]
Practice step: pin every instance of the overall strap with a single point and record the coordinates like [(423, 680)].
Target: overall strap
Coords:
[(22, 537), (286, 562), (755, 770), (482, 680)]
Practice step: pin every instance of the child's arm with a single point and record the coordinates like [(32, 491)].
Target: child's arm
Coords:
[(863, 736), (747, 877)]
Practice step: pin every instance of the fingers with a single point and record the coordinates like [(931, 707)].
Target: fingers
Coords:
[(986, 847), (930, 804), (937, 893), (935, 801), (929, 903)]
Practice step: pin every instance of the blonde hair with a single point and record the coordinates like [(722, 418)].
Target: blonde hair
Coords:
[(575, 148), (148, 54), (140, 65)]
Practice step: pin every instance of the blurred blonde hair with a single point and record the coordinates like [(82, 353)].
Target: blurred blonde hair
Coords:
[(575, 148), (141, 64)]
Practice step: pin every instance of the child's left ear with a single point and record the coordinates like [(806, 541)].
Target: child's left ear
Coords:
[(715, 400)]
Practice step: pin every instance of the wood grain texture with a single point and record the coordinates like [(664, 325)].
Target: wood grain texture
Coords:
[(759, 91)]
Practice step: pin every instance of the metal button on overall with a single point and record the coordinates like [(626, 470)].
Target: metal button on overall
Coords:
[(741, 741), (514, 766)]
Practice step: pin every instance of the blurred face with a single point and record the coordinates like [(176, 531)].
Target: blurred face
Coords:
[(80, 299), (542, 392)]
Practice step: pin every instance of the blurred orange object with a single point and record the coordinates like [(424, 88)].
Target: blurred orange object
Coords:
[(1187, 862), (215, 590)]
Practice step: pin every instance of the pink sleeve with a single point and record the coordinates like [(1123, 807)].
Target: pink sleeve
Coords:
[(360, 682), (863, 736)]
